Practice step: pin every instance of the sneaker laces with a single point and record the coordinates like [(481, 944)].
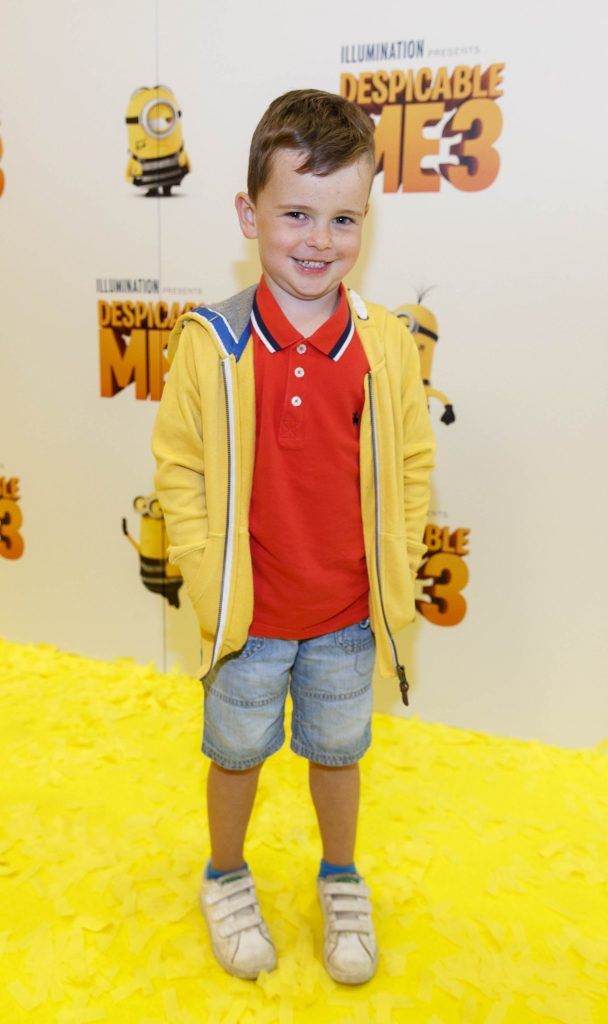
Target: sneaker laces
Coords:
[(349, 905), (235, 904)]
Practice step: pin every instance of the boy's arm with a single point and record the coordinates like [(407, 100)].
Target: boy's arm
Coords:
[(177, 445), (418, 449)]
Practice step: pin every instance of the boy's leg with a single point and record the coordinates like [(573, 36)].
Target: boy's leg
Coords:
[(239, 935), (335, 793), (243, 725), (230, 799), (245, 696), (331, 727)]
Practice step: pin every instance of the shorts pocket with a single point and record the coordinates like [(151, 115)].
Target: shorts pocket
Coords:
[(357, 637), (252, 646)]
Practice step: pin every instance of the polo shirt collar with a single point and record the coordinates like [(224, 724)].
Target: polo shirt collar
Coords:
[(276, 332)]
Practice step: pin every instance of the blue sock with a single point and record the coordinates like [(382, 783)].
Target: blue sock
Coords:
[(212, 873), (334, 869)]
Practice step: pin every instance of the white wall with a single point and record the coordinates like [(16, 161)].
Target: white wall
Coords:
[(519, 275)]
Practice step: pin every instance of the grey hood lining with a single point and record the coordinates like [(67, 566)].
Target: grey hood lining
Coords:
[(236, 309)]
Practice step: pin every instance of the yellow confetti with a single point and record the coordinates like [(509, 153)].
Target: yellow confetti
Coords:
[(126, 989), (487, 859), (562, 1008), (139, 933), (25, 997), (236, 1011), (498, 1013), (91, 923), (171, 1005), (81, 1015), (425, 988)]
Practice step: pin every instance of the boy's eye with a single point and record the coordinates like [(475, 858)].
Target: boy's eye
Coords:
[(345, 220), (296, 214)]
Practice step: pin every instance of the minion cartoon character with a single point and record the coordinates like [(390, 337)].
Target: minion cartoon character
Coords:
[(157, 574), (423, 325), (158, 159)]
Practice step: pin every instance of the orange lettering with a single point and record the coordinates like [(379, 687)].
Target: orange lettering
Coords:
[(387, 139), (461, 82), (480, 121), (348, 86), (158, 364), (120, 363), (380, 92), (448, 575), (422, 91), (415, 146), (365, 85)]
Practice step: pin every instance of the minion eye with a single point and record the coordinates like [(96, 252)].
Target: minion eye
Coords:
[(158, 117)]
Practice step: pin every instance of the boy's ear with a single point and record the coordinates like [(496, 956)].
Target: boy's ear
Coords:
[(245, 209)]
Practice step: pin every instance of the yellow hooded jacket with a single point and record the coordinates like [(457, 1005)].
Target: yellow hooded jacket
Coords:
[(204, 445)]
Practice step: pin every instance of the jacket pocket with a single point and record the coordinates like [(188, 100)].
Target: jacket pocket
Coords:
[(396, 580), (202, 572), (416, 552)]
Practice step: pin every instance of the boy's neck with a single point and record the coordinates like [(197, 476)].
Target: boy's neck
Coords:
[(306, 315)]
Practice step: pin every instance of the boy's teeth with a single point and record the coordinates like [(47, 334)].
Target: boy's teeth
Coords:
[(311, 263)]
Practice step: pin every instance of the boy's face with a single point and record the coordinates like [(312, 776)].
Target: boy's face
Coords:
[(308, 226)]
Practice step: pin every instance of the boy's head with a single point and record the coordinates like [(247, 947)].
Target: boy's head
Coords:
[(329, 131), (311, 168)]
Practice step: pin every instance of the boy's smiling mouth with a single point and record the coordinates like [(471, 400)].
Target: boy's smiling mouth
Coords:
[(315, 265)]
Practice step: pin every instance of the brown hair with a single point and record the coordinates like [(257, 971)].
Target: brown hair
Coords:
[(330, 130)]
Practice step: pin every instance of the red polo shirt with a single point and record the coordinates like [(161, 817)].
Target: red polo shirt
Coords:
[(309, 567)]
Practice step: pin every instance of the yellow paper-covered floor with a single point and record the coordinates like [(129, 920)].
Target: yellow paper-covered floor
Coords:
[(487, 859)]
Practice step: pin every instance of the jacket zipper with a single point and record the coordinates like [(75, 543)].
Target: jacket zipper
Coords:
[(403, 683), (229, 533)]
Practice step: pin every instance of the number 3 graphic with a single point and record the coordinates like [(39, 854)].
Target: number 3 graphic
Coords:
[(448, 575), (11, 541)]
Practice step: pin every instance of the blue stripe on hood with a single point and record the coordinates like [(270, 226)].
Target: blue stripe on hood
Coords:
[(224, 332)]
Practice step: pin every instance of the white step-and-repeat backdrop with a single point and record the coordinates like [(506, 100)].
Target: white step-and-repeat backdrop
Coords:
[(124, 136)]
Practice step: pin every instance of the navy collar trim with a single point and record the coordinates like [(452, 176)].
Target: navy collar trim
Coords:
[(265, 335), (261, 329)]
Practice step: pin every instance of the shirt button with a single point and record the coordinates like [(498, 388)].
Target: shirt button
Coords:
[(301, 348), (299, 372), (296, 400)]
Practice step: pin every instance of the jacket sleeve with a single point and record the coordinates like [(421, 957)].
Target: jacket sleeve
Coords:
[(418, 449), (177, 445)]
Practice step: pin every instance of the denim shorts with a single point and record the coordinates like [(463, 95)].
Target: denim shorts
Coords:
[(331, 690)]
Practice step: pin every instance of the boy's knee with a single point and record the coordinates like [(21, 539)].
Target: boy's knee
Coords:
[(332, 767), (238, 771)]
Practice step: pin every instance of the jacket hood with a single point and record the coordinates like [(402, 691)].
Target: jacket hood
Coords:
[(229, 322), (228, 319)]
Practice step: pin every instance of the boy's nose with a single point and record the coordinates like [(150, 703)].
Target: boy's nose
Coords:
[(319, 238)]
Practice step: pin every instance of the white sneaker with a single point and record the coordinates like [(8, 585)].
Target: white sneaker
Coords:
[(239, 935), (350, 951)]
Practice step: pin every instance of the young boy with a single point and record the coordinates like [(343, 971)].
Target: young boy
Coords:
[(294, 449)]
